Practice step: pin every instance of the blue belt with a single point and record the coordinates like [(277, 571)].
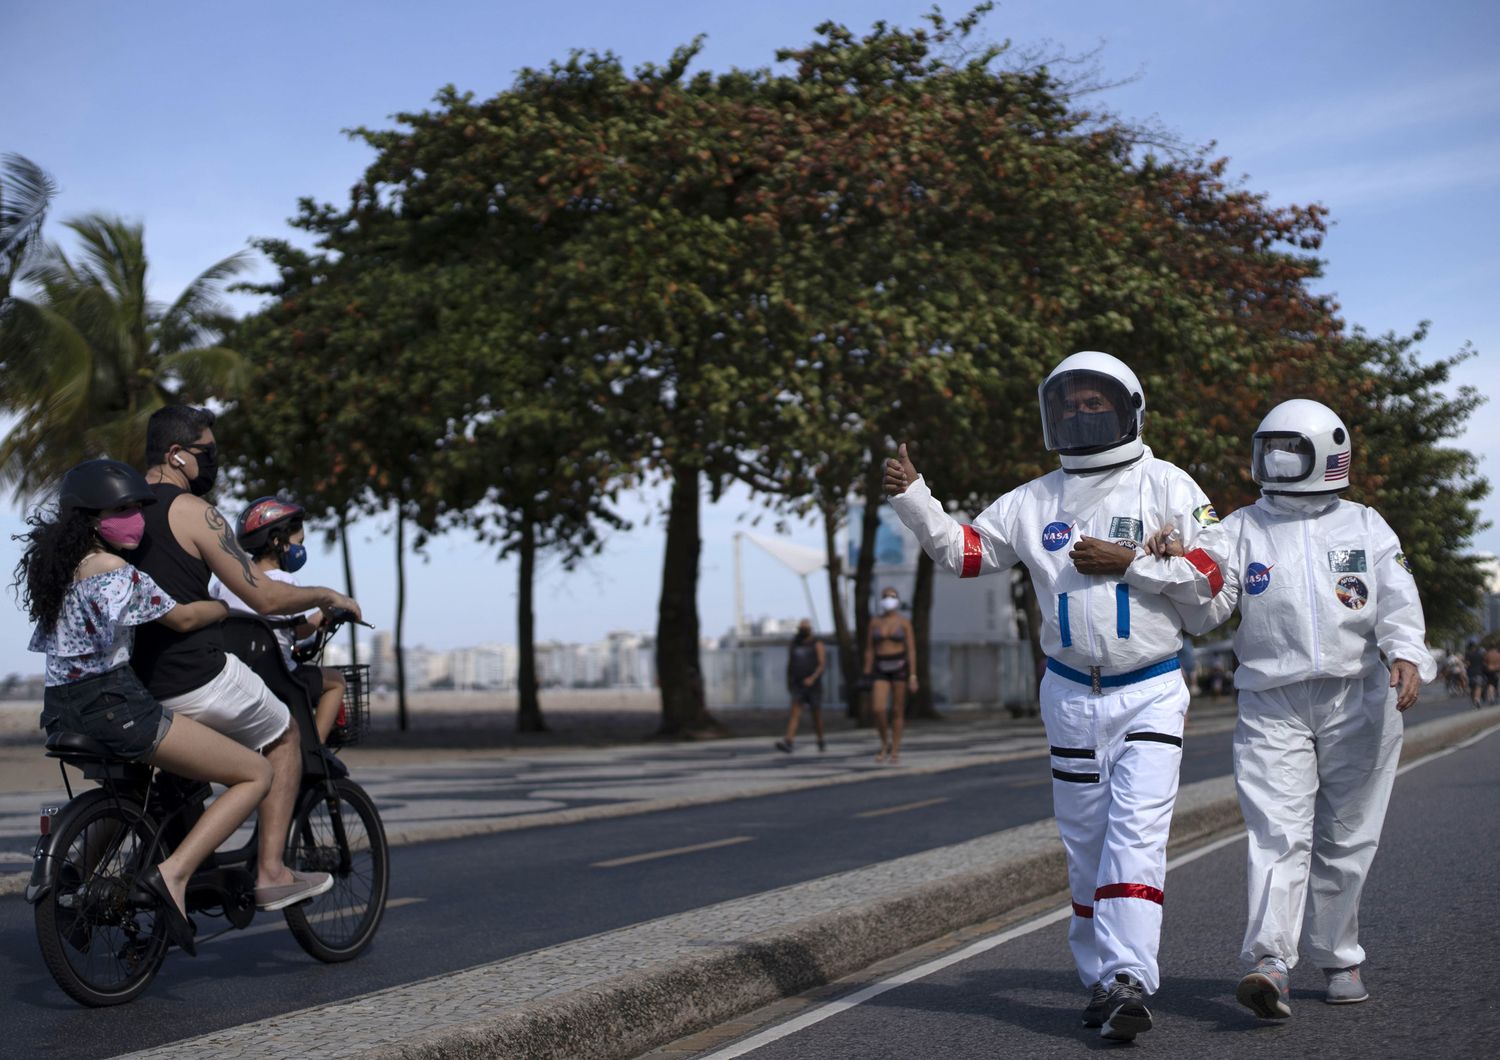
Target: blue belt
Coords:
[(1098, 682)]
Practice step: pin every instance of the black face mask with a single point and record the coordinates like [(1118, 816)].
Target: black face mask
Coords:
[(1085, 430), (208, 471)]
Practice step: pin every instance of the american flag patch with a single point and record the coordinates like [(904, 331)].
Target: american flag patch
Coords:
[(1338, 466)]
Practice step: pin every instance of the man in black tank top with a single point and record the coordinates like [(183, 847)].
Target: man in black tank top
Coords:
[(187, 541)]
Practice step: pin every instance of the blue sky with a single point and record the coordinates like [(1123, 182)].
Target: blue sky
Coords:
[(208, 121)]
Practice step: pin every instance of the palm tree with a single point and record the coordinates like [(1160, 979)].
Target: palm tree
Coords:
[(85, 362), (25, 192)]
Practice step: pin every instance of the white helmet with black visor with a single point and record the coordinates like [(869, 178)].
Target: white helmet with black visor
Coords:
[(1093, 410), (1301, 447)]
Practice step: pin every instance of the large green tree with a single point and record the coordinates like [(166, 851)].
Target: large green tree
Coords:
[(1404, 416)]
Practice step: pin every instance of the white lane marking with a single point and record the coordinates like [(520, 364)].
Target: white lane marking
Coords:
[(229, 935), (903, 808), (1470, 742), (833, 1008), (653, 855)]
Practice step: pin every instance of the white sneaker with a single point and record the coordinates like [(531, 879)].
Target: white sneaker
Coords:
[(304, 885)]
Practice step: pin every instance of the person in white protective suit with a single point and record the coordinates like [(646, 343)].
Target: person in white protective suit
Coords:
[(1112, 698), (1323, 591)]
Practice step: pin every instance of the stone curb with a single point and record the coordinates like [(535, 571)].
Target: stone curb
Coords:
[(623, 1015)]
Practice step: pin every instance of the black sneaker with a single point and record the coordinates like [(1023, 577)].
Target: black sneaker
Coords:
[(1093, 1012), (1126, 1014), (782, 745)]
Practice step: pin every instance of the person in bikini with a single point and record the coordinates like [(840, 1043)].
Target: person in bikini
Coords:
[(891, 669)]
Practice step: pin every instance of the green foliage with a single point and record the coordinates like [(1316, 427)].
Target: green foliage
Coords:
[(1402, 422), (87, 359)]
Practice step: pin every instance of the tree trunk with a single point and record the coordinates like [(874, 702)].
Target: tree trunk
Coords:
[(920, 705), (348, 584), (400, 616), (529, 709), (1025, 594), (678, 668), (864, 574), (849, 666)]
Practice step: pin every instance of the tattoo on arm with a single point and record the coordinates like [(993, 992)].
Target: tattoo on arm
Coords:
[(225, 534)]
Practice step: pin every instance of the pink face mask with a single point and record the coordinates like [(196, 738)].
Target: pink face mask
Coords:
[(123, 530)]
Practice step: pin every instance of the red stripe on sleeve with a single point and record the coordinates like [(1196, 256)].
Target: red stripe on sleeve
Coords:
[(1129, 890), (1086, 911), (1207, 567), (973, 553)]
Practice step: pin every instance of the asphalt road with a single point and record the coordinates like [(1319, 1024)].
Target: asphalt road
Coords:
[(1427, 924), (465, 902)]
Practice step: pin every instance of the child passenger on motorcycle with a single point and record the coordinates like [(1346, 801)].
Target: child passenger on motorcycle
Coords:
[(271, 531), (86, 601)]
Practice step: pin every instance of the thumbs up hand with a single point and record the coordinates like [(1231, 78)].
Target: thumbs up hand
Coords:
[(899, 473)]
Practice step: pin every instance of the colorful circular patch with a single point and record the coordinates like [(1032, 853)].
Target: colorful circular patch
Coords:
[(1257, 578), (1055, 536), (1352, 592)]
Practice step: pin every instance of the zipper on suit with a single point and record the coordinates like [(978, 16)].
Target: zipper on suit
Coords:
[(1088, 615), (1312, 599)]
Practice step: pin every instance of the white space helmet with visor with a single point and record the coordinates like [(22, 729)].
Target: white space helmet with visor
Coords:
[(1093, 409), (1301, 447)]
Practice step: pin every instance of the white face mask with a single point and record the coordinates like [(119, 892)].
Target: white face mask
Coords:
[(889, 603), (1282, 464)]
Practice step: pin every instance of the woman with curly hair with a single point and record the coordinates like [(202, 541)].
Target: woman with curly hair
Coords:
[(86, 601)]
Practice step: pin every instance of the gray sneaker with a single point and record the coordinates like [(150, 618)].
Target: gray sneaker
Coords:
[(1126, 1014), (1265, 991), (1345, 987), (305, 885), (1093, 1012)]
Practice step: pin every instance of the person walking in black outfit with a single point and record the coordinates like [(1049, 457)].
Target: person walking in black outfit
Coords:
[(805, 662)]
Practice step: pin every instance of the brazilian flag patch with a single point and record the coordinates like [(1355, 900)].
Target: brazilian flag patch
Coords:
[(1206, 516), (1401, 559)]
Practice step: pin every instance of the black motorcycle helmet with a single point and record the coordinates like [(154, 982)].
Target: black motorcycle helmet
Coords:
[(99, 484)]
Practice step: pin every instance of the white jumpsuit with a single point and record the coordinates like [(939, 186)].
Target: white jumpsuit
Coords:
[(1323, 589), (1113, 698)]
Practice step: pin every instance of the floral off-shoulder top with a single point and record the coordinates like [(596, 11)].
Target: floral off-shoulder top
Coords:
[(95, 631)]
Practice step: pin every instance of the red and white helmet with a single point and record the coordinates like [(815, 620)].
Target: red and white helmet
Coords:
[(253, 527), (1093, 410), (1301, 447)]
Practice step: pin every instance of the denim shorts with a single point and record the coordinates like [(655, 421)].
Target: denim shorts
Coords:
[(113, 708)]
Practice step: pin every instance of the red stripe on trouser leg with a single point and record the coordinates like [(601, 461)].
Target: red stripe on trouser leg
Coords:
[(1129, 890), (1083, 910), (973, 553), (1208, 568)]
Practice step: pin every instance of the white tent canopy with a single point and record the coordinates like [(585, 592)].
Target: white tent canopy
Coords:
[(800, 559)]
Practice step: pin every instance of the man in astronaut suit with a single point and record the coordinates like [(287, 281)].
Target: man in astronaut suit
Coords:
[(1323, 591), (1113, 698)]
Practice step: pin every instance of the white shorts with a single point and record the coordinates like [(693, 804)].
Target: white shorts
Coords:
[(236, 703)]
